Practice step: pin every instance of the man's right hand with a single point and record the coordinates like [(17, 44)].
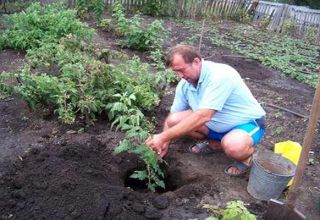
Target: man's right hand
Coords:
[(157, 144)]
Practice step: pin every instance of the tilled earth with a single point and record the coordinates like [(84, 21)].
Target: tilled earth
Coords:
[(50, 171)]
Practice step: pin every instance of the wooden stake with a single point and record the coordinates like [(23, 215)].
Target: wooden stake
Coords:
[(312, 124)]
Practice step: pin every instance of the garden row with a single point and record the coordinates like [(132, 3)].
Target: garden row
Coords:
[(293, 57)]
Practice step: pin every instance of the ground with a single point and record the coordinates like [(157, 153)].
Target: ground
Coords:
[(50, 171)]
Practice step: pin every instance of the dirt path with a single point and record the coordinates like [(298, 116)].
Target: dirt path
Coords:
[(50, 171)]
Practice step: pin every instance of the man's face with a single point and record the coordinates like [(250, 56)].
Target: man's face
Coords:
[(188, 71)]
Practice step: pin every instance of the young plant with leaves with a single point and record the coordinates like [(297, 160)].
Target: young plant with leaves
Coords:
[(127, 117), (233, 210)]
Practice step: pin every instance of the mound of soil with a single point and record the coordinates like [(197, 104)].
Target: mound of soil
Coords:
[(52, 171)]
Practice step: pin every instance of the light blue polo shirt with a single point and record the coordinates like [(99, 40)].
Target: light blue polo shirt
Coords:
[(221, 88)]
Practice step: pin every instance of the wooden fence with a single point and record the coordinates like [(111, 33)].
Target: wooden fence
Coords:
[(301, 19), (279, 15), (188, 8)]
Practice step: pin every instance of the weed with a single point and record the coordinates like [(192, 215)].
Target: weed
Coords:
[(265, 22), (289, 27)]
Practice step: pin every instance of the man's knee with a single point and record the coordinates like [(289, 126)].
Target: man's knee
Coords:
[(236, 144)]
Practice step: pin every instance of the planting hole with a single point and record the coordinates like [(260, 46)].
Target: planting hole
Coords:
[(138, 185)]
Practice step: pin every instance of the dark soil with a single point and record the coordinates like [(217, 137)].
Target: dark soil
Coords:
[(51, 171)]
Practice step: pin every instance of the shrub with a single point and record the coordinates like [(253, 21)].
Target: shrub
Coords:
[(143, 40), (38, 24), (289, 27)]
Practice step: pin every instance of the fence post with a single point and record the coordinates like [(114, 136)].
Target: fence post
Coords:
[(283, 17)]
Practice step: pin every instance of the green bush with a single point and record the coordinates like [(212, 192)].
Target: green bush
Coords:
[(83, 8), (39, 24), (137, 37), (150, 38), (289, 27)]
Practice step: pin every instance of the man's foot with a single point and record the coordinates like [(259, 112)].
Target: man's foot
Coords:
[(203, 148), (238, 168)]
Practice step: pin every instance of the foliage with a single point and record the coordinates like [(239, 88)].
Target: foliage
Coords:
[(265, 22), (122, 24), (233, 210), (289, 27), (14, 6), (105, 24), (241, 15), (63, 72), (83, 8), (5, 84), (311, 35), (315, 4), (137, 36), (127, 117), (150, 38), (39, 24), (292, 57), (158, 7)]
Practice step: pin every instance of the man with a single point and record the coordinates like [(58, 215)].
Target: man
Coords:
[(211, 102)]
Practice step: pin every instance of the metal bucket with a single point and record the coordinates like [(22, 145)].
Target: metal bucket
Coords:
[(269, 175)]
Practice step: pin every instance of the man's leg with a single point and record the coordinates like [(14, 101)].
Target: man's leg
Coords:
[(238, 145)]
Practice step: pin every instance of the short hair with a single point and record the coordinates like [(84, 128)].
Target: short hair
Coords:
[(188, 53)]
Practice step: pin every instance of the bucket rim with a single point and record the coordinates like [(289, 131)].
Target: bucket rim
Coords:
[(292, 172)]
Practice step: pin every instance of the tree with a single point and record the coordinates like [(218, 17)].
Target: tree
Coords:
[(314, 4)]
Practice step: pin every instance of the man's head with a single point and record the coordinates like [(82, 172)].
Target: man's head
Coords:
[(185, 61)]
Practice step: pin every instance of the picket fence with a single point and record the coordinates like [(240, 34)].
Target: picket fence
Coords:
[(188, 8), (303, 18)]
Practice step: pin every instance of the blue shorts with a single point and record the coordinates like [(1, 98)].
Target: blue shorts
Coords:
[(255, 128)]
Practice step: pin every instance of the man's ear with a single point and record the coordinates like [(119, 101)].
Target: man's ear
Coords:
[(197, 60)]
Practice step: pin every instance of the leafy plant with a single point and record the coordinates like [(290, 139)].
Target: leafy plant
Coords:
[(137, 36), (143, 40), (289, 27), (233, 210), (83, 8), (105, 24), (311, 35), (40, 24), (63, 72), (158, 7), (292, 57), (122, 24), (6, 85), (265, 22), (242, 16), (125, 116)]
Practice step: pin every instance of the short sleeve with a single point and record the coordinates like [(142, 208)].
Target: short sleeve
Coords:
[(180, 102)]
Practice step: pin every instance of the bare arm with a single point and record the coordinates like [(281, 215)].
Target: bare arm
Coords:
[(189, 124)]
